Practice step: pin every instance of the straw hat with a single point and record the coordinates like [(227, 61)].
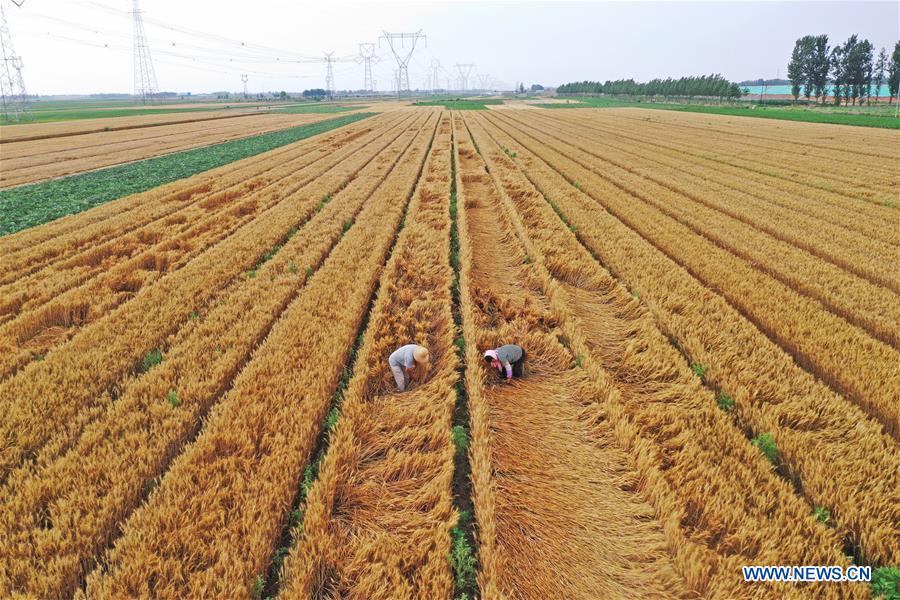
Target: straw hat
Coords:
[(420, 354)]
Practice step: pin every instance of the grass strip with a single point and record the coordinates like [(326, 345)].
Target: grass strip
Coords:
[(30, 205)]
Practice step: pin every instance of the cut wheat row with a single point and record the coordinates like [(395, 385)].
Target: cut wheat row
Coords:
[(51, 394), (29, 162), (852, 251), (85, 489), (871, 307), (563, 520), (817, 339), (27, 251), (210, 528), (376, 522), (787, 196), (842, 459), (48, 307), (658, 413)]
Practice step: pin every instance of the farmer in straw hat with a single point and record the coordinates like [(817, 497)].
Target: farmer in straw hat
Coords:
[(508, 359), (408, 362)]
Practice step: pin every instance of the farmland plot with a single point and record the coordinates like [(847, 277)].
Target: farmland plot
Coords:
[(197, 403)]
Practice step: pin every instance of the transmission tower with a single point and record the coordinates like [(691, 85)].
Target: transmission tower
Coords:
[(435, 67), (485, 81), (397, 42), (12, 85), (145, 87), (244, 79), (464, 71), (367, 57), (329, 74)]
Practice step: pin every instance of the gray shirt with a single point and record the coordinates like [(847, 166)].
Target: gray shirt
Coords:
[(509, 353), (403, 356)]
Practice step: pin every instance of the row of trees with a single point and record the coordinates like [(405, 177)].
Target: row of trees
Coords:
[(851, 68), (713, 86)]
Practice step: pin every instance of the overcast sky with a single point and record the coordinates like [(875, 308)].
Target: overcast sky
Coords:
[(85, 46)]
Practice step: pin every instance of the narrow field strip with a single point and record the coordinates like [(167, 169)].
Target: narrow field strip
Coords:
[(103, 477), (41, 311), (800, 201), (555, 516), (46, 395), (29, 162), (840, 459), (376, 523), (849, 250), (32, 249), (871, 307), (657, 411), (251, 453), (31, 205), (818, 340)]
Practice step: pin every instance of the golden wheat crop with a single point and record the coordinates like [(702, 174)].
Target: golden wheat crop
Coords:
[(376, 522), (115, 460), (249, 458), (842, 459)]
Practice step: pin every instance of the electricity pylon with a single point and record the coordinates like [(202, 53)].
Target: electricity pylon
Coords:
[(329, 74), (244, 79), (145, 87), (397, 42), (367, 57), (435, 67), (485, 81), (12, 84), (464, 71)]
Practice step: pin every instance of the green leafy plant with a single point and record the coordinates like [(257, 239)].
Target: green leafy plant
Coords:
[(309, 272), (38, 357), (292, 233), (579, 360), (153, 358), (173, 399), (766, 444), (193, 316), (346, 226), (332, 418), (251, 273), (462, 560), (259, 585), (885, 583), (699, 370), (821, 514), (292, 267), (724, 401), (460, 344), (460, 439)]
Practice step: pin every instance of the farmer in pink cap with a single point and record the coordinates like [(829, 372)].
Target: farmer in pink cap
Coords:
[(509, 360)]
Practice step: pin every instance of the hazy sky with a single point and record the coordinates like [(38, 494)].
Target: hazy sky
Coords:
[(83, 46)]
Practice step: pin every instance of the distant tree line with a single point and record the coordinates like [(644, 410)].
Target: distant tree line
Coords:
[(714, 86), (851, 68)]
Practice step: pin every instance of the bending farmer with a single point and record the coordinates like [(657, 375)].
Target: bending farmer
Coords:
[(509, 360), (408, 362)]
